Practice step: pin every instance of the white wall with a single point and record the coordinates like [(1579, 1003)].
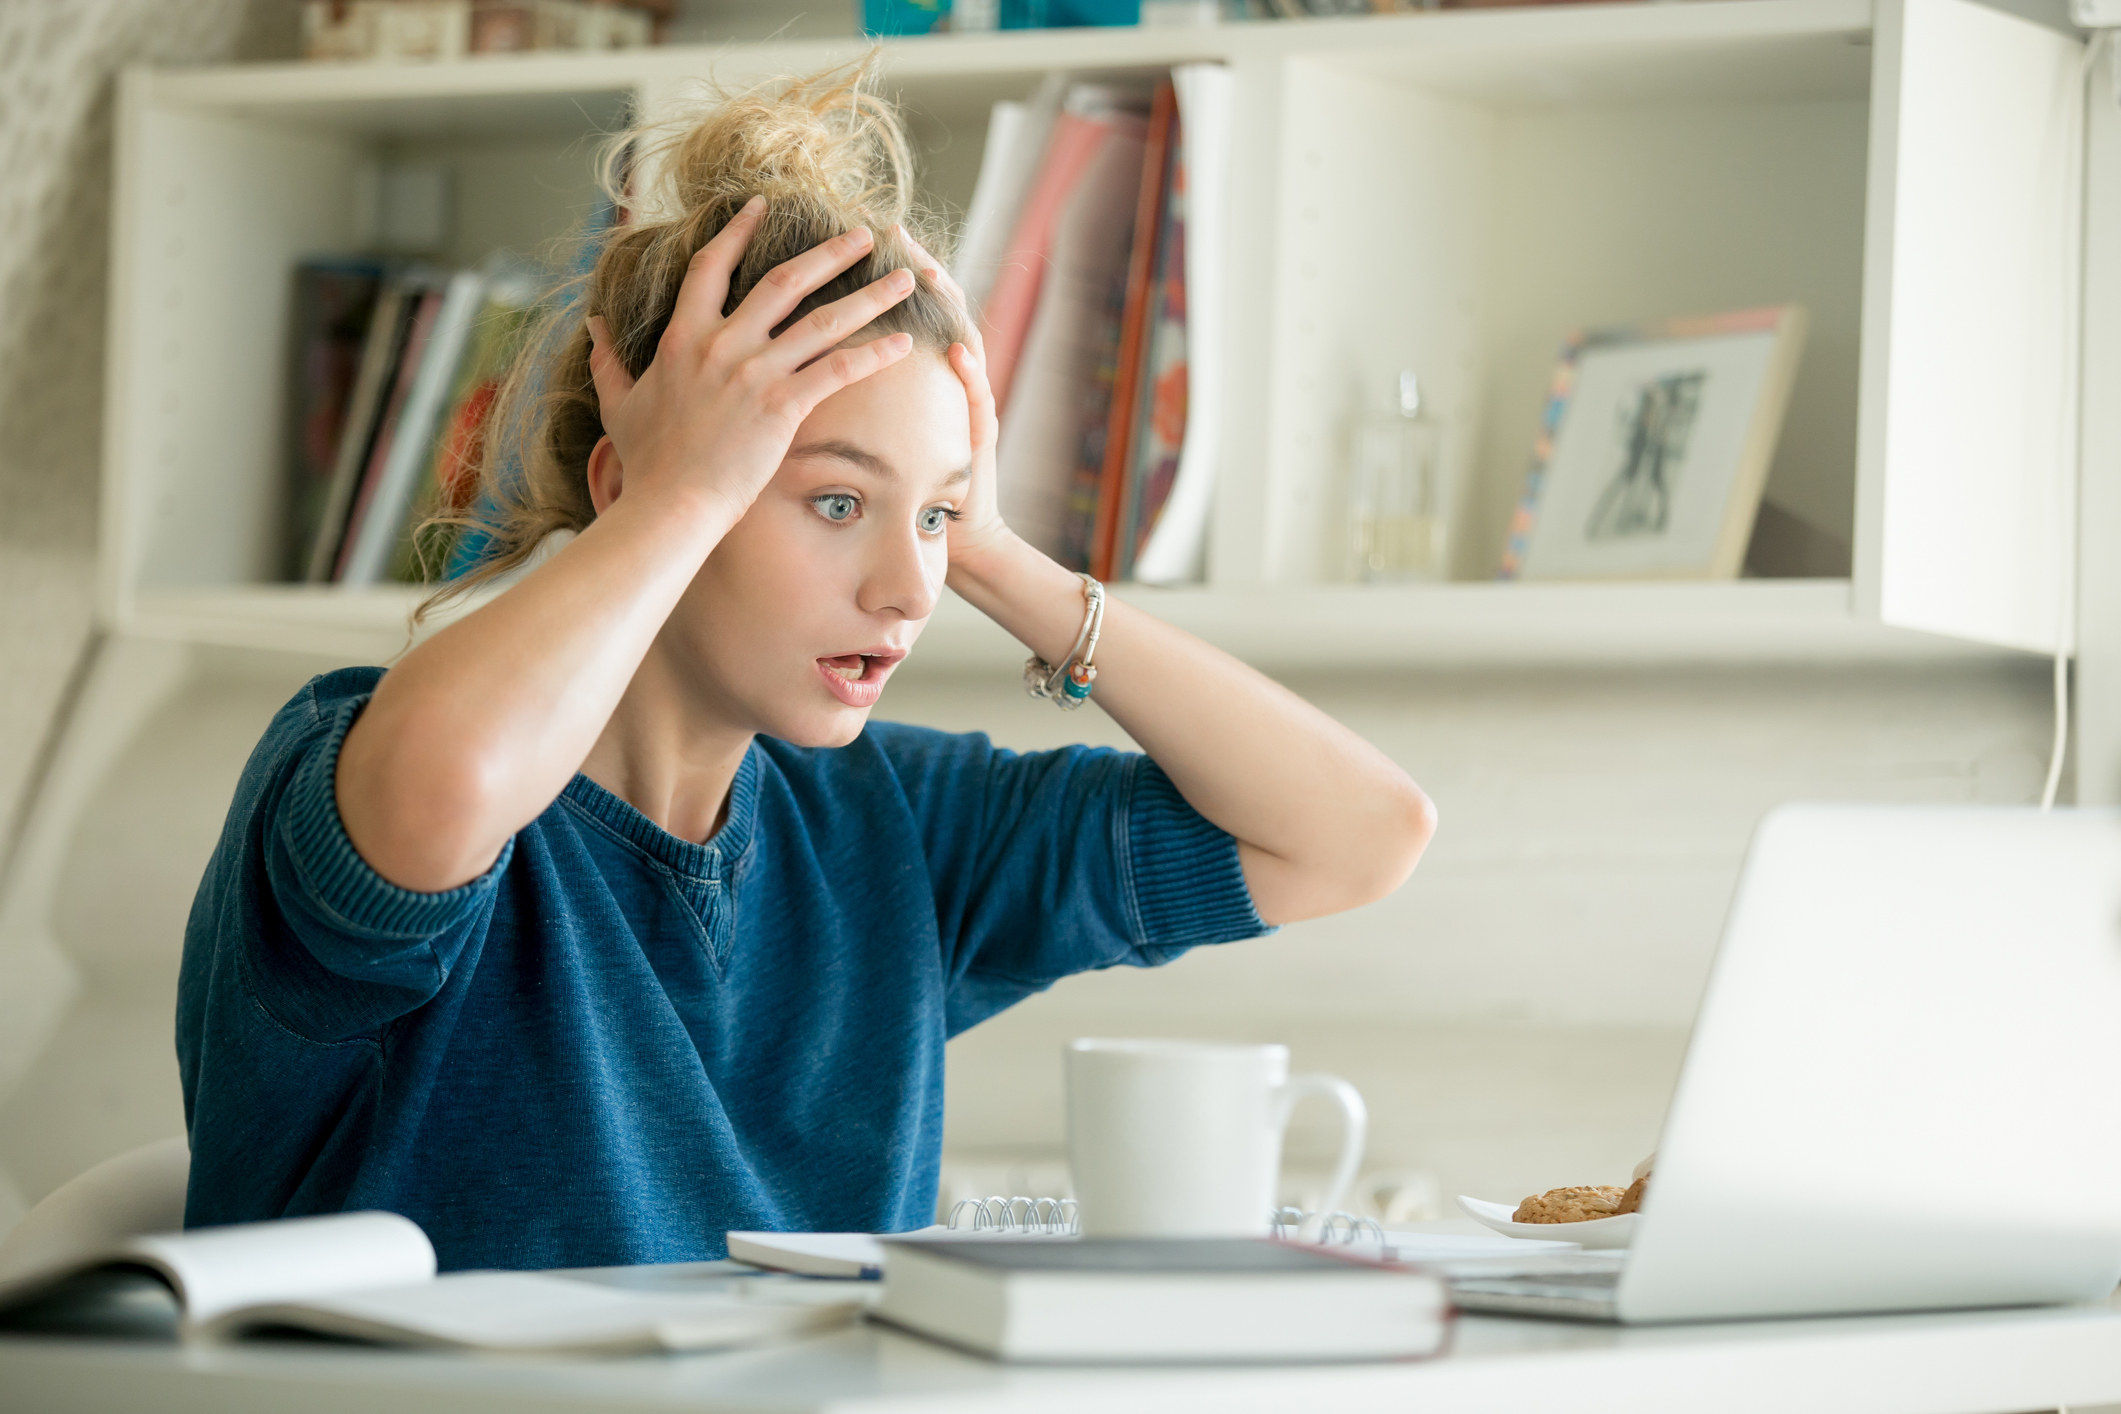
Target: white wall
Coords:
[(1516, 1014), (57, 62)]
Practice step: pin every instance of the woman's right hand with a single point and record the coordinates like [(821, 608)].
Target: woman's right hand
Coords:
[(712, 416)]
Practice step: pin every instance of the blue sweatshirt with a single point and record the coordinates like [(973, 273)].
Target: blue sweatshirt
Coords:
[(617, 1045)]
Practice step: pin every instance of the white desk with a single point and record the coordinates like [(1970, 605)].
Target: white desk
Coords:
[(1959, 1363)]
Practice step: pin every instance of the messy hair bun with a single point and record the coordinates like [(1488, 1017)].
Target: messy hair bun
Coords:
[(827, 154)]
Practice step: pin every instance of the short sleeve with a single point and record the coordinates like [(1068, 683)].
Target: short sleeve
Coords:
[(339, 949), (1050, 863)]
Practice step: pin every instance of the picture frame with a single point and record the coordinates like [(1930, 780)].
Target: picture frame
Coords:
[(1654, 448)]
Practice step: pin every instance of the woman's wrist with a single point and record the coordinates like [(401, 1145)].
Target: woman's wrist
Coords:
[(685, 519), (1027, 592)]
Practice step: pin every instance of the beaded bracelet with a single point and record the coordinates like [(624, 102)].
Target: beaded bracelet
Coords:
[(1068, 686)]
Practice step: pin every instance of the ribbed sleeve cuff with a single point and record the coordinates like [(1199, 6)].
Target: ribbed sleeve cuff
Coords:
[(333, 872), (1188, 885)]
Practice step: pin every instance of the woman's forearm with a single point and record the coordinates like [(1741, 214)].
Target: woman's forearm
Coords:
[(1324, 821), (477, 729)]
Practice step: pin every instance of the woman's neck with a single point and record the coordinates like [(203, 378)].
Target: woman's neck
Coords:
[(668, 754)]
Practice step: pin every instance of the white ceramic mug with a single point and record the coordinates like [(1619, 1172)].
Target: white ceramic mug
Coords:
[(1183, 1138)]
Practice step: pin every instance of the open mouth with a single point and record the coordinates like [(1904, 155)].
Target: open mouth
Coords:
[(857, 679)]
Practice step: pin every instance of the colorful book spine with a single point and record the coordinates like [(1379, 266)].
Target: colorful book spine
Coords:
[(333, 303), (387, 328), (451, 483), (1161, 389), (1118, 445), (427, 306), (397, 482)]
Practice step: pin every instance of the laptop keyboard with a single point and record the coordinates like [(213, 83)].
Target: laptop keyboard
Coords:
[(1594, 1283)]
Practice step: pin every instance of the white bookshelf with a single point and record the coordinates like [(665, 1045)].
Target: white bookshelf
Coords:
[(1449, 192)]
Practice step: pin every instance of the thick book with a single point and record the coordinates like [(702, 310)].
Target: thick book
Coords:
[(1182, 1299), (371, 1276)]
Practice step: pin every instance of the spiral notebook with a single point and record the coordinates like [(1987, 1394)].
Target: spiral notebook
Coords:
[(862, 1256)]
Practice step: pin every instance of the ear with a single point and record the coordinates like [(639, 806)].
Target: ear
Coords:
[(606, 475)]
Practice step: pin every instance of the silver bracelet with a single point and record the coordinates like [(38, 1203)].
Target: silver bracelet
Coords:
[(1068, 685)]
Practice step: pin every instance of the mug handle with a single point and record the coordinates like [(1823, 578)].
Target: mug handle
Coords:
[(1354, 1130)]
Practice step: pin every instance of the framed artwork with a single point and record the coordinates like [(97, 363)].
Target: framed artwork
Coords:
[(1654, 447)]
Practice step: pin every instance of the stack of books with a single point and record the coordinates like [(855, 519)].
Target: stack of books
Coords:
[(393, 372), (1093, 249)]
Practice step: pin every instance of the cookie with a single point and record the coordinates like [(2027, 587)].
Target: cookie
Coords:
[(1569, 1205), (1631, 1201)]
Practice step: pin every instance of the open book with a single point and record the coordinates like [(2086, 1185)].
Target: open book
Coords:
[(371, 1276)]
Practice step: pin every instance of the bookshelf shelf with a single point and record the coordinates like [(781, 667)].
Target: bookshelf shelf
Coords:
[(1321, 628), (1632, 52), (1446, 191)]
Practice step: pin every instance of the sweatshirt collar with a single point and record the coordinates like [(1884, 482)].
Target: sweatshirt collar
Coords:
[(706, 861)]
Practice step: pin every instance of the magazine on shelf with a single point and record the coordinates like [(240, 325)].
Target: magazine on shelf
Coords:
[(1017, 134), (1102, 317), (1074, 323), (1116, 450), (1175, 534)]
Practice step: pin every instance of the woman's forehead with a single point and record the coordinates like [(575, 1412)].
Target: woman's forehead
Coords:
[(909, 420)]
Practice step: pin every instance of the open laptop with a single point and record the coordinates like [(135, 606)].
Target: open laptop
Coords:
[(1903, 1090)]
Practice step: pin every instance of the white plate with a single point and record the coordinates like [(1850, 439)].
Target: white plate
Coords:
[(1592, 1233)]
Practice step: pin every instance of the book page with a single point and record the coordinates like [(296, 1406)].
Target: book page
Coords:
[(218, 1269), (87, 1220), (1041, 427)]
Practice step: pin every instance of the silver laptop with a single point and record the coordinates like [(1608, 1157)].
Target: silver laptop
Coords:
[(1903, 1090)]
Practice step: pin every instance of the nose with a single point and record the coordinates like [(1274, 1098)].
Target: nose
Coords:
[(903, 575)]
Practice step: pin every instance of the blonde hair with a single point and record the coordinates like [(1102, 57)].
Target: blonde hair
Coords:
[(827, 154)]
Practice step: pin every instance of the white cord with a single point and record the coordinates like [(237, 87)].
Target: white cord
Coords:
[(2072, 252), (2061, 748)]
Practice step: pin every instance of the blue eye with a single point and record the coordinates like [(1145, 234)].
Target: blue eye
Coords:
[(936, 519), (837, 507)]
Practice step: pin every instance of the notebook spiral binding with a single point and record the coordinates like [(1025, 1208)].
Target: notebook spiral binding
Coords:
[(1335, 1229), (1057, 1217), (1040, 1217)]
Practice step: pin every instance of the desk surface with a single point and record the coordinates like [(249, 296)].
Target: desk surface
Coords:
[(1980, 1362)]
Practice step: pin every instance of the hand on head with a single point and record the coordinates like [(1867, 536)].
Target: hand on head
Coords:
[(712, 416)]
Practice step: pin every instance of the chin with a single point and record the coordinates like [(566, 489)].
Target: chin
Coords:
[(835, 726)]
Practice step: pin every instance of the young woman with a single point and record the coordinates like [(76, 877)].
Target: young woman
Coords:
[(606, 921)]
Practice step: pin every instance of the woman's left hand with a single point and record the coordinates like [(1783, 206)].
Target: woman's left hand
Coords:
[(979, 526)]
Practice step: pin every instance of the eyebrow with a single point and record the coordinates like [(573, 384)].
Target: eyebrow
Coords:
[(868, 461)]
